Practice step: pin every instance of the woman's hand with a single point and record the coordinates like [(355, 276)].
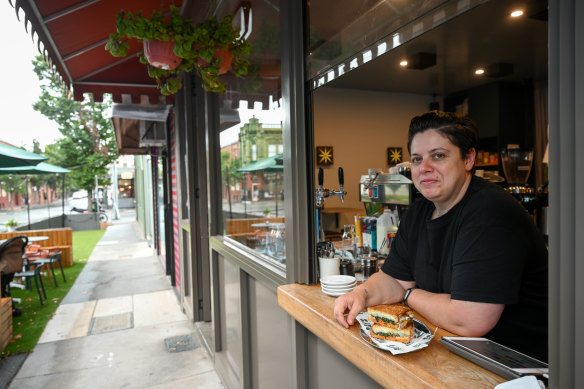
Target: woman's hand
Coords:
[(354, 302), (380, 288)]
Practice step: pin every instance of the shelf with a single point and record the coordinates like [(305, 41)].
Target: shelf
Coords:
[(486, 164)]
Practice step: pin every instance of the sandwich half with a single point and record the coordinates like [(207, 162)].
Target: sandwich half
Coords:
[(392, 315), (403, 335)]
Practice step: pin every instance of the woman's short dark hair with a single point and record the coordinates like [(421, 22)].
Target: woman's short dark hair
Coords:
[(460, 130)]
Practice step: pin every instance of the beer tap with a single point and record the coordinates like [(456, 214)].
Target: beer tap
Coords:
[(322, 193), (341, 192)]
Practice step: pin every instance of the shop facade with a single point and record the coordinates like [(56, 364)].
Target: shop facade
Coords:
[(234, 221)]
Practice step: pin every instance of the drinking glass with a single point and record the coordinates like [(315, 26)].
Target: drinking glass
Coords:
[(348, 242)]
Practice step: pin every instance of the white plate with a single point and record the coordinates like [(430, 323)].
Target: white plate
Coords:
[(333, 286), (335, 294), (337, 280), (346, 290)]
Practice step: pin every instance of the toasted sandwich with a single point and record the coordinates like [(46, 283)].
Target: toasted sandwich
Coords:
[(403, 335), (394, 315)]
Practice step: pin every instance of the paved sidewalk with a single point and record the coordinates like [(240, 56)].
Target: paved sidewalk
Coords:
[(120, 326)]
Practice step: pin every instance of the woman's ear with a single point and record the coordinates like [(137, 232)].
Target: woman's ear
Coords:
[(470, 158)]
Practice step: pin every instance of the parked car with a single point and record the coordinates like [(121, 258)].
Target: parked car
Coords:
[(79, 199)]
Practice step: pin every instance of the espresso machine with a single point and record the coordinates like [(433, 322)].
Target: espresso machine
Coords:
[(395, 190), (517, 164)]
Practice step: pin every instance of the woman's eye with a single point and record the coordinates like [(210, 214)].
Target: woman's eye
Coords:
[(416, 160), (438, 156)]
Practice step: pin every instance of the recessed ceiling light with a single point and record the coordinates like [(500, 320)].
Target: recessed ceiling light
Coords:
[(418, 61), (516, 13), (495, 70)]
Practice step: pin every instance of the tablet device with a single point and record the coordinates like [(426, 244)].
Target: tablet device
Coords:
[(499, 359)]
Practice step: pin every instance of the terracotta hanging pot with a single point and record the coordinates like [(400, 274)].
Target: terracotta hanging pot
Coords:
[(161, 54), (226, 58)]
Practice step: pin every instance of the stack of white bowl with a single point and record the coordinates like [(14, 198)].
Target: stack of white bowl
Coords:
[(337, 285)]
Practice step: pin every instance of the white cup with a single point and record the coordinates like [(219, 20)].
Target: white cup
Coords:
[(329, 266)]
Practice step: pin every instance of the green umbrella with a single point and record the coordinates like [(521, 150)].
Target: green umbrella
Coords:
[(273, 163), (41, 168), (13, 156)]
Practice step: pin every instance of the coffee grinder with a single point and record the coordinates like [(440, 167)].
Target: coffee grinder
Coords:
[(517, 164)]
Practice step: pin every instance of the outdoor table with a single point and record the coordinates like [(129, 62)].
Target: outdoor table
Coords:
[(37, 238), (30, 239), (268, 225)]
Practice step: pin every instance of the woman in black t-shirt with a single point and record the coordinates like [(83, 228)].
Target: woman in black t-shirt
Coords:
[(467, 256)]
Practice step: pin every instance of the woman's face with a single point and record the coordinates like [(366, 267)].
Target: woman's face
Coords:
[(438, 170)]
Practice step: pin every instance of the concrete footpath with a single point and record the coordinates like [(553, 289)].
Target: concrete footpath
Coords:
[(120, 326)]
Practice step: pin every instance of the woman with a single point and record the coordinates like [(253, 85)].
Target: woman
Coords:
[(467, 256)]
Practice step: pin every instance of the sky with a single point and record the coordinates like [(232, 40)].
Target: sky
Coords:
[(20, 123)]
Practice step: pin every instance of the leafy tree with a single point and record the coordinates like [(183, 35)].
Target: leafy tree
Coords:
[(88, 145), (39, 181), (231, 176)]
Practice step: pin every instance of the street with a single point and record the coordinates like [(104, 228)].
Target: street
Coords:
[(37, 213)]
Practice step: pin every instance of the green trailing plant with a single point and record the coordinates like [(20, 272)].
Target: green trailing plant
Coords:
[(199, 46)]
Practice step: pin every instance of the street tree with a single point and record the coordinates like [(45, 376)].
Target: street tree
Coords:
[(88, 144), (45, 185), (229, 166)]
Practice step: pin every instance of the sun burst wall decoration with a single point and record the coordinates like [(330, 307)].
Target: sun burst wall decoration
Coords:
[(324, 155), (395, 155)]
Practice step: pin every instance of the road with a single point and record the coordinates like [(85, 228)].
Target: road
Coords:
[(36, 213)]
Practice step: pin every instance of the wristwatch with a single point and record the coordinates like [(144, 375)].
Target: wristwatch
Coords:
[(408, 292)]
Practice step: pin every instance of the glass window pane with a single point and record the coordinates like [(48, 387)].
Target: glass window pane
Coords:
[(345, 37), (251, 141)]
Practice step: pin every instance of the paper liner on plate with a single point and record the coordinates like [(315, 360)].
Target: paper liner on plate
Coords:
[(420, 340)]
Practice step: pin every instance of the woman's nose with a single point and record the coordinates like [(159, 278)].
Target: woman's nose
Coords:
[(425, 166)]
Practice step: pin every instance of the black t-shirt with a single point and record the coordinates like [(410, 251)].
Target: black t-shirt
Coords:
[(485, 249)]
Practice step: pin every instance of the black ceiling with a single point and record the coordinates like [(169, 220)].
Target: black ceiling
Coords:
[(482, 36)]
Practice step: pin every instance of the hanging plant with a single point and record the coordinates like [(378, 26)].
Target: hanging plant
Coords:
[(173, 44)]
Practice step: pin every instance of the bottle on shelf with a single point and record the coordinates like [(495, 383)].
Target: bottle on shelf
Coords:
[(386, 224)]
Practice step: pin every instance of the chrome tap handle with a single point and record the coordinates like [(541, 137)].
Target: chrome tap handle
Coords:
[(341, 192), (319, 193)]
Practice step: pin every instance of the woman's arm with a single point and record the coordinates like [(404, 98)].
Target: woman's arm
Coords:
[(380, 288), (465, 318)]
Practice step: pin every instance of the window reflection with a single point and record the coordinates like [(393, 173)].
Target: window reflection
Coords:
[(252, 172), (251, 140)]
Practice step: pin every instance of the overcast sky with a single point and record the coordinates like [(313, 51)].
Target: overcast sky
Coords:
[(20, 123)]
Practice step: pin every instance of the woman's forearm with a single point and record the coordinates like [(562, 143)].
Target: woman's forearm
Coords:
[(465, 318), (381, 288)]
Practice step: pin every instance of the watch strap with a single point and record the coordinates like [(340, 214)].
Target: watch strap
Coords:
[(406, 295)]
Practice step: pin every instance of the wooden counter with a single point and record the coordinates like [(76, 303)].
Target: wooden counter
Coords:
[(431, 367)]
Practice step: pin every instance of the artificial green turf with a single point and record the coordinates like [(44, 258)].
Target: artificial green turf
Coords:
[(27, 328)]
